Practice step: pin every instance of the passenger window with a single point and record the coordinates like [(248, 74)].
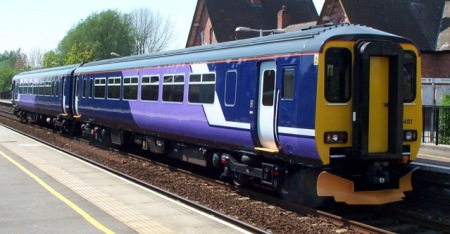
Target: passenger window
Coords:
[(100, 87), (114, 88), (84, 88), (79, 86), (91, 88), (48, 87), (202, 88), (130, 88), (230, 88), (173, 88), (409, 76), (42, 88), (288, 83), (52, 87), (150, 88), (268, 87), (338, 66), (57, 88)]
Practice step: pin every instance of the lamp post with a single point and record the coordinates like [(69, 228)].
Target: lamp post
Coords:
[(114, 54), (261, 31)]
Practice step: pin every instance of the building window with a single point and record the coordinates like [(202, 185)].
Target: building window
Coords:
[(230, 88), (150, 88), (338, 66), (288, 83), (202, 88), (173, 88), (99, 87), (130, 88), (202, 37), (409, 76), (211, 36)]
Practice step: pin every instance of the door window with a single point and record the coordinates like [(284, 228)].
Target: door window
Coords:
[(268, 87)]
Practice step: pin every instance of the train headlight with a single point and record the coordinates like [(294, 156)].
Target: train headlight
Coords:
[(409, 135), (335, 137)]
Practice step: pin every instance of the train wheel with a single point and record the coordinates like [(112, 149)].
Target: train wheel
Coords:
[(300, 187)]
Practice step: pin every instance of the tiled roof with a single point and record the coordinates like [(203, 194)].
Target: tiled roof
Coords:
[(419, 20), (226, 15)]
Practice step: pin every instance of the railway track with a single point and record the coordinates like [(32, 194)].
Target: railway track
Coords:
[(271, 214)]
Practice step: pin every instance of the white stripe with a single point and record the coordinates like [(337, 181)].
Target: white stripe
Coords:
[(297, 131), (215, 116), (200, 68)]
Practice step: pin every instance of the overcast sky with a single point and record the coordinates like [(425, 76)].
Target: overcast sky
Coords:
[(41, 24)]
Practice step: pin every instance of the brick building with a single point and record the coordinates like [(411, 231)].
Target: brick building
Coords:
[(216, 20), (426, 22)]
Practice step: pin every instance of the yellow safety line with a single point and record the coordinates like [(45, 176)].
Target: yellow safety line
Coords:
[(85, 215)]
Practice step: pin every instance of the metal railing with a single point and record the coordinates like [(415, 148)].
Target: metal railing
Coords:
[(436, 125)]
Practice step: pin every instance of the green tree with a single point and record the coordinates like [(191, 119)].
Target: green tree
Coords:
[(52, 59), (76, 55), (99, 35), (14, 59), (444, 120), (446, 100), (6, 75), (11, 63)]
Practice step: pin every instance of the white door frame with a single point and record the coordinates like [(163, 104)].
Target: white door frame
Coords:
[(266, 105)]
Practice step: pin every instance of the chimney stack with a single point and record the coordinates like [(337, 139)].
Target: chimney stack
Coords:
[(284, 18)]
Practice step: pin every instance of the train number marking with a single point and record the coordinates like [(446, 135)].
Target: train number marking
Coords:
[(408, 121)]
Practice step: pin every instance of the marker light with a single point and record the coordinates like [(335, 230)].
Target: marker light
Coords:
[(409, 135), (335, 137)]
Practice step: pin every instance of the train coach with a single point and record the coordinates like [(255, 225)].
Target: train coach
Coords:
[(330, 111), (45, 92)]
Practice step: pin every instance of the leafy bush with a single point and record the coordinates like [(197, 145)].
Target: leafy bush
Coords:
[(444, 121)]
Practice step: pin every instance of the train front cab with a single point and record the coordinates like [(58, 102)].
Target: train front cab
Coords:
[(368, 120)]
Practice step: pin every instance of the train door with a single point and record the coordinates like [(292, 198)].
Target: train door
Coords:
[(267, 130), (14, 92), (63, 96), (378, 100), (76, 95)]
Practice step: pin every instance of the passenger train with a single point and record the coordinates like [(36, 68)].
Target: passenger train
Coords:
[(329, 111)]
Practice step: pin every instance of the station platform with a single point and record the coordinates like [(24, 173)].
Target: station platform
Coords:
[(46, 191), (5, 101), (434, 158)]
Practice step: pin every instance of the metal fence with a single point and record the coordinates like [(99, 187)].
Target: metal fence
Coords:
[(436, 125), (5, 95)]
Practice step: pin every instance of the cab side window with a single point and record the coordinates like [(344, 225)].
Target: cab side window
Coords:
[(409, 76), (338, 72)]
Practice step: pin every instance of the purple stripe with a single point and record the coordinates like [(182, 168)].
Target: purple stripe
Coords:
[(186, 121)]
